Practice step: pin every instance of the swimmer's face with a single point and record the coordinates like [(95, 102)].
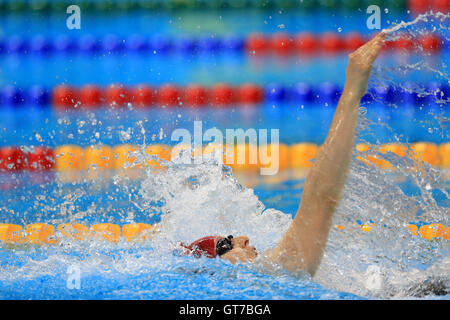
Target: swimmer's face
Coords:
[(242, 250)]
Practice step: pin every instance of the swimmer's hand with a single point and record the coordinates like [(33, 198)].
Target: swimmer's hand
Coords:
[(359, 66)]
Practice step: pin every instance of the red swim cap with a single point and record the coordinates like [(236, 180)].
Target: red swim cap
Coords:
[(203, 247)]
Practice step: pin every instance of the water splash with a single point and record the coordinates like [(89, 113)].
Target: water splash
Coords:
[(388, 261), (424, 17), (207, 199), (407, 71)]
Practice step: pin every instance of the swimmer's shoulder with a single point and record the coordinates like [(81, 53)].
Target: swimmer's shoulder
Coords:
[(268, 264)]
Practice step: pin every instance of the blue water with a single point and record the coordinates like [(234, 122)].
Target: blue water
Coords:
[(299, 122), (190, 280), (124, 271), (130, 271)]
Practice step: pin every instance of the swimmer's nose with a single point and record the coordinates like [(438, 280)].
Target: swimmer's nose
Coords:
[(241, 241)]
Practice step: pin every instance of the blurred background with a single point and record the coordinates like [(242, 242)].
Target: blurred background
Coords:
[(90, 96)]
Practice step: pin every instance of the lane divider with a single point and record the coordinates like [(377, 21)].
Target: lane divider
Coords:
[(296, 156), (304, 43), (331, 43), (47, 234), (421, 6), (220, 95), (429, 232), (43, 233)]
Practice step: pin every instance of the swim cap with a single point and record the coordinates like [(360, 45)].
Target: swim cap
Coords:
[(204, 246)]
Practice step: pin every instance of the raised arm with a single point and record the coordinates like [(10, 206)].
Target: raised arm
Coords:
[(303, 244)]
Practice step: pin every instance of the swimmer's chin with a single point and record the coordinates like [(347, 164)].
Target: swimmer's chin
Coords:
[(239, 255)]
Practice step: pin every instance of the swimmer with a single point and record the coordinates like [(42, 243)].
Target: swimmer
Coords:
[(302, 246)]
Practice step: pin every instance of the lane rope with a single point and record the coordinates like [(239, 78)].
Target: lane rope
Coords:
[(295, 156), (220, 95), (48, 234)]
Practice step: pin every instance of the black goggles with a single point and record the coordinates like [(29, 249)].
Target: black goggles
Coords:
[(224, 245)]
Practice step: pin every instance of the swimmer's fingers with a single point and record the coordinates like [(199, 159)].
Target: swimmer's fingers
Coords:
[(376, 45), (366, 46), (369, 46), (366, 55), (360, 63)]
